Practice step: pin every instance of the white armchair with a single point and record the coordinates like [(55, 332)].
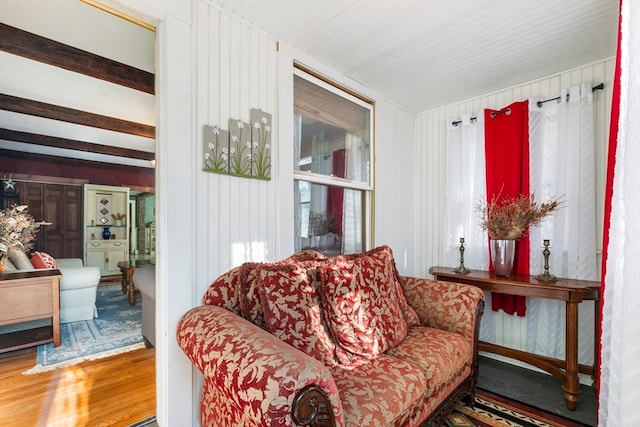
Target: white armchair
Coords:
[(78, 287)]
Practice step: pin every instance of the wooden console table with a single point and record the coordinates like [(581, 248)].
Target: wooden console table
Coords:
[(26, 296), (571, 291)]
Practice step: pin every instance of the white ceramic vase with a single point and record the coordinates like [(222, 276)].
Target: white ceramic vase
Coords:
[(502, 253)]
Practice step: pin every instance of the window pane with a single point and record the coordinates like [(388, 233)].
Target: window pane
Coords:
[(328, 219), (332, 133)]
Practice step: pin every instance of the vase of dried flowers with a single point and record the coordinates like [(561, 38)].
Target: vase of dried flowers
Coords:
[(18, 229), (507, 220)]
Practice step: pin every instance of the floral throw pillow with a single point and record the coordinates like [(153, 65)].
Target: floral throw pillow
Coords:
[(361, 307), (410, 315), (292, 310), (41, 260)]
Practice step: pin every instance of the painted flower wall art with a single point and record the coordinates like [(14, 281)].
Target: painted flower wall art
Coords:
[(243, 151), (261, 144), (216, 149)]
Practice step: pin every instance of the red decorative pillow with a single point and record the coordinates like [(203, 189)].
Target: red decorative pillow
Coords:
[(223, 292), (306, 255), (360, 305), (250, 291), (42, 260), (292, 309), (410, 315)]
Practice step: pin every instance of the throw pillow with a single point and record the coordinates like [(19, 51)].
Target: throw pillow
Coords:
[(20, 259), (7, 266), (410, 315), (41, 260), (361, 308), (224, 291), (306, 255), (292, 310)]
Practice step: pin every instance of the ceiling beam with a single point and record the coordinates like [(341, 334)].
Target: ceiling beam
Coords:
[(71, 115), (72, 144), (42, 49)]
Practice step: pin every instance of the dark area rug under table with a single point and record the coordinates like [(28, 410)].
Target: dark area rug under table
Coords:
[(536, 390)]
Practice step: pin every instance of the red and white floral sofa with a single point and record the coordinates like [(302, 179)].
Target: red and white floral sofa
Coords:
[(341, 341)]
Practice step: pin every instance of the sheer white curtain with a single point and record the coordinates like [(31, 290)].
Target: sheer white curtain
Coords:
[(620, 373), (297, 215), (465, 189), (351, 216), (562, 165)]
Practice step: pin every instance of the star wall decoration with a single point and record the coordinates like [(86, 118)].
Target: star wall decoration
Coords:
[(9, 184)]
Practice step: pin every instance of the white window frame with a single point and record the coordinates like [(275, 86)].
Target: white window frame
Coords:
[(315, 178)]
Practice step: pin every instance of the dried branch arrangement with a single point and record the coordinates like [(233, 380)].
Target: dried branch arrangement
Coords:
[(510, 218)]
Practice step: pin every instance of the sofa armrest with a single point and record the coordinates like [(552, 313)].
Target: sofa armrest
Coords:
[(445, 305), (79, 278), (69, 262), (252, 375)]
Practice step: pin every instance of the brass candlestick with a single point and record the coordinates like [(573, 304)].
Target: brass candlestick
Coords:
[(461, 268), (546, 276)]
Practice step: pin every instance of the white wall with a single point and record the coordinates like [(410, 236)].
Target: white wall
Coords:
[(212, 68), (511, 331), (431, 137)]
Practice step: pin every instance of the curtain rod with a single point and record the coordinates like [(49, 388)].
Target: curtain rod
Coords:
[(539, 104)]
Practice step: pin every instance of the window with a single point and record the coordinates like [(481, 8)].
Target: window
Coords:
[(332, 171)]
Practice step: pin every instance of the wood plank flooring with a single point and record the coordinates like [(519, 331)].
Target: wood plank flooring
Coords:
[(116, 391)]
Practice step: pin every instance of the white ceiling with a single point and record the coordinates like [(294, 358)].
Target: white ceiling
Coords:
[(423, 54)]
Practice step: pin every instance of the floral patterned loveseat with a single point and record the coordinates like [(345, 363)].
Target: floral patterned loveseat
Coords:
[(341, 341)]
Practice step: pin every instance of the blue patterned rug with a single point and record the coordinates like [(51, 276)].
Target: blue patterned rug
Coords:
[(117, 329)]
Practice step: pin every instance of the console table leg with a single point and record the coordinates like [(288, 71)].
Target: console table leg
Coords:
[(571, 380)]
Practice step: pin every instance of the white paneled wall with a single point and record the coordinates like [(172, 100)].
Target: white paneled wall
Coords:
[(431, 138), (430, 162), (235, 71)]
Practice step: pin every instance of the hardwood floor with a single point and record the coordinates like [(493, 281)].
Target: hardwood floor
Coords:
[(116, 391)]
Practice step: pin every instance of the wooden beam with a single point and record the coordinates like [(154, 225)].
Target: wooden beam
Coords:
[(72, 144), (72, 162), (38, 48), (71, 115)]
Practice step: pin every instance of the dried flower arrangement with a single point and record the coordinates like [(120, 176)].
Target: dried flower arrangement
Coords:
[(511, 217), (17, 229), (118, 216)]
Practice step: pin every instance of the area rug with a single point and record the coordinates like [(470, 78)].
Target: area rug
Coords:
[(491, 410), (117, 329)]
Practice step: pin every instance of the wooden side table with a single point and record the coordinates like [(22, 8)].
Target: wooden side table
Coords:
[(127, 268), (569, 290), (26, 296)]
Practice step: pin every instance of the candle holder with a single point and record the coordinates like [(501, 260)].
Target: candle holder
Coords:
[(461, 268), (546, 276)]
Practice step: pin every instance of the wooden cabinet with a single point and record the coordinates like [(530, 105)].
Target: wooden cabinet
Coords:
[(26, 296), (61, 205), (106, 255), (103, 205)]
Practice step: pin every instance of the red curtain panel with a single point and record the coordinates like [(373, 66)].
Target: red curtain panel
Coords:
[(507, 170)]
